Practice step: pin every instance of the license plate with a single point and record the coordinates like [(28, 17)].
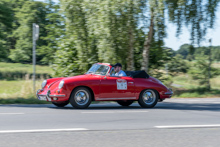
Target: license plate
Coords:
[(42, 98)]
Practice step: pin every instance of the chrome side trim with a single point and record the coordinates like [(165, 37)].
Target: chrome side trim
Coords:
[(61, 95), (121, 98)]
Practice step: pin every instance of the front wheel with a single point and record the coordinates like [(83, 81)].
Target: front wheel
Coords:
[(125, 103), (60, 104), (81, 98), (148, 98)]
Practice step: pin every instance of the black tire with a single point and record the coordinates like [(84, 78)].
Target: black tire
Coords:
[(61, 104), (81, 98), (148, 98), (160, 100), (125, 103)]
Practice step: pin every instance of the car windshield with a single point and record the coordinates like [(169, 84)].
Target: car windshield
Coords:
[(98, 69)]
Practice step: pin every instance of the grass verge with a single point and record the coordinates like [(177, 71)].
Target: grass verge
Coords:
[(27, 68), (196, 93), (23, 101)]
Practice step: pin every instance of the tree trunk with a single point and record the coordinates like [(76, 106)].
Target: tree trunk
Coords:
[(130, 59), (147, 45)]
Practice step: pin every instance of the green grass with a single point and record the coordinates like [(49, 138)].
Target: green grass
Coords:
[(197, 93), (21, 89), (19, 92), (18, 71), (23, 101), (191, 88), (16, 89), (28, 68)]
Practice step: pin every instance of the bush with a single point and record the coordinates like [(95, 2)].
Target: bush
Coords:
[(18, 75)]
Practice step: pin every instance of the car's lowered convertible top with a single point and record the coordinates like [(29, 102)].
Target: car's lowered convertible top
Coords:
[(137, 74)]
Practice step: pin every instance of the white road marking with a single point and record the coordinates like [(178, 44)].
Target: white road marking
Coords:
[(216, 102), (97, 112), (42, 130), (114, 112), (10, 113), (188, 126)]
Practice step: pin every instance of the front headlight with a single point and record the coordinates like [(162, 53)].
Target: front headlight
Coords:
[(61, 84), (44, 84)]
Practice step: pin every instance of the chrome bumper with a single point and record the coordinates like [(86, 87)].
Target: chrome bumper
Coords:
[(48, 96), (170, 92)]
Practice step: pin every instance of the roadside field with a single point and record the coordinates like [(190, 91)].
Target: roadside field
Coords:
[(20, 88), (185, 86), (20, 91), (28, 68)]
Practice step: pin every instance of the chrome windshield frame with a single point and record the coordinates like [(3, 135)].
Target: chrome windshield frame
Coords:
[(100, 74)]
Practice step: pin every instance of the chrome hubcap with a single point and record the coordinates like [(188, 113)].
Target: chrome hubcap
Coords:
[(81, 97), (149, 97)]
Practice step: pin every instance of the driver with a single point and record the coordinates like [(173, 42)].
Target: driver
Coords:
[(118, 71)]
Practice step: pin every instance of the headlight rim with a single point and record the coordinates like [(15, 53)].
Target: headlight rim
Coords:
[(61, 84), (44, 83)]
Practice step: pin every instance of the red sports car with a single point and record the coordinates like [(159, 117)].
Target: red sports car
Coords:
[(98, 85)]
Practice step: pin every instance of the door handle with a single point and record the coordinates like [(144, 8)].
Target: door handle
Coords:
[(130, 82), (105, 78)]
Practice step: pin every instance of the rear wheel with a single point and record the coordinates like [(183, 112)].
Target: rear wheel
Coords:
[(80, 98), (61, 104), (148, 98), (125, 103)]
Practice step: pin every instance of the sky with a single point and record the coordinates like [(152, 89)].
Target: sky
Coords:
[(173, 42)]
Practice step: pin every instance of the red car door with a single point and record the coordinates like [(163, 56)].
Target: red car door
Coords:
[(112, 88)]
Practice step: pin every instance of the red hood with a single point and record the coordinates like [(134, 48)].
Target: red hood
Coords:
[(76, 77), (55, 83)]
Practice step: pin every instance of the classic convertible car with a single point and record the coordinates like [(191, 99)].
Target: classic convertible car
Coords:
[(98, 85)]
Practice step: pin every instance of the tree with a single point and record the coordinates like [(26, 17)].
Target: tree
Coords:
[(177, 65), (54, 29), (103, 31), (31, 12), (199, 15), (66, 63), (200, 71), (47, 17), (6, 19)]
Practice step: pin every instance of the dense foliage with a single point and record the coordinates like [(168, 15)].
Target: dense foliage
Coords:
[(189, 52), (74, 34)]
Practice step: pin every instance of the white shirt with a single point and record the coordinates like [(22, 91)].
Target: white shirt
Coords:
[(121, 73)]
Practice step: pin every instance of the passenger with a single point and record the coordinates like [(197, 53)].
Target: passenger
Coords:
[(118, 71)]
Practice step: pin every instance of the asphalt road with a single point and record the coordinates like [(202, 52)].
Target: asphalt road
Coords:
[(174, 122)]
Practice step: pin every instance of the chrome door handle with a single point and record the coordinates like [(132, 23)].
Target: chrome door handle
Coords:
[(130, 82)]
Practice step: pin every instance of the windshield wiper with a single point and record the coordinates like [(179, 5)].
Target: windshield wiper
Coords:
[(90, 72)]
